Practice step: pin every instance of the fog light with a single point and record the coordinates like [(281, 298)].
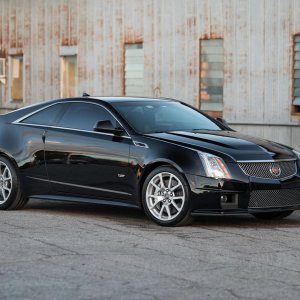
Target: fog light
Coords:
[(229, 201), (224, 199)]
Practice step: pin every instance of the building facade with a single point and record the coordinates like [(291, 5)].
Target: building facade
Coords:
[(239, 59)]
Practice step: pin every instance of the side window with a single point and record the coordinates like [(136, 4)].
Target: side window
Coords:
[(48, 116), (84, 116)]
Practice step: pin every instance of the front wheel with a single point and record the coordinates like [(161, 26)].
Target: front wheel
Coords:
[(166, 197), (273, 215)]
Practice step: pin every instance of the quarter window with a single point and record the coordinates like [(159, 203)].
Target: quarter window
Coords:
[(211, 74), (85, 116), (48, 116), (134, 69)]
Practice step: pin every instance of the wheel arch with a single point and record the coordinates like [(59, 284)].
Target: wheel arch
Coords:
[(154, 165), (9, 157)]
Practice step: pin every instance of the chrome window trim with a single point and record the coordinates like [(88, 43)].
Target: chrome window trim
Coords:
[(73, 129), (19, 121)]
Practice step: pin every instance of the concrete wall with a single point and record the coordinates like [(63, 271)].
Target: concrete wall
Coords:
[(258, 47)]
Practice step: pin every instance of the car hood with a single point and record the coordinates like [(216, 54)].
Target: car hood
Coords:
[(230, 145)]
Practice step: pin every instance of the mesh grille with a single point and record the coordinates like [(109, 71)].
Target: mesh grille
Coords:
[(263, 169), (274, 198)]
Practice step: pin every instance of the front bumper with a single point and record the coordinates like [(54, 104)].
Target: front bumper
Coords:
[(243, 195)]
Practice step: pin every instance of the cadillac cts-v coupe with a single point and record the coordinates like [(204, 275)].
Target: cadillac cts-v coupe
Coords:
[(160, 155)]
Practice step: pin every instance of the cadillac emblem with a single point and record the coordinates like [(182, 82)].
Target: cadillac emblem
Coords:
[(275, 170)]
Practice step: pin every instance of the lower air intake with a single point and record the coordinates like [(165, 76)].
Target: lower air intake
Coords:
[(274, 198)]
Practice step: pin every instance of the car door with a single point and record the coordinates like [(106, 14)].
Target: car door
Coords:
[(83, 162), (31, 133)]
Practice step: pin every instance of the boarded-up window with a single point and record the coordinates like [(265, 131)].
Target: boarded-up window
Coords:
[(68, 85), (211, 74), (296, 91), (16, 78), (134, 70), (2, 67)]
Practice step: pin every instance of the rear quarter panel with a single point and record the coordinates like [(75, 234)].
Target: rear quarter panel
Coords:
[(24, 146)]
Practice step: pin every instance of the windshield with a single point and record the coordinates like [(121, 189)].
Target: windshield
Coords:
[(163, 116)]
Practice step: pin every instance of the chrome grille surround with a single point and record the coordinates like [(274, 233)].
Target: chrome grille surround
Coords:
[(262, 169), (274, 198)]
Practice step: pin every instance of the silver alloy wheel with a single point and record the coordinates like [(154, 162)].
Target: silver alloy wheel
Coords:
[(165, 196), (5, 182)]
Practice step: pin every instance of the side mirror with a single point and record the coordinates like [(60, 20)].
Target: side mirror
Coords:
[(106, 126), (222, 121)]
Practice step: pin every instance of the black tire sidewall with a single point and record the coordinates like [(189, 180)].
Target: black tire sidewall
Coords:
[(15, 185), (187, 205)]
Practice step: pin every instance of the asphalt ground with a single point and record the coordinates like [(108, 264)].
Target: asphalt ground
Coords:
[(56, 250)]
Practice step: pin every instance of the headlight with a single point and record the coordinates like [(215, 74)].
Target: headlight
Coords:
[(297, 154), (214, 166)]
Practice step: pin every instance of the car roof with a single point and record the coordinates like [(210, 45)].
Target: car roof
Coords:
[(112, 99)]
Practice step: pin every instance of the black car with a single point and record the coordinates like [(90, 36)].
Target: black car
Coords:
[(160, 155)]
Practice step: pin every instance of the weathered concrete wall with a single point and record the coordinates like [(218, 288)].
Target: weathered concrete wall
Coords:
[(258, 44)]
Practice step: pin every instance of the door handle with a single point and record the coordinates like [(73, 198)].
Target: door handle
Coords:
[(44, 136)]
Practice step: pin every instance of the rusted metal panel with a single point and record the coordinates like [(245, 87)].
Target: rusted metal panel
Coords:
[(281, 134), (258, 50)]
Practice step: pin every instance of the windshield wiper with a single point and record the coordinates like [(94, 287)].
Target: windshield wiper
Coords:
[(162, 131), (204, 129)]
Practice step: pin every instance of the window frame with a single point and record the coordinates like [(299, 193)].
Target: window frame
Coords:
[(2, 64), (10, 79), (61, 83), (212, 113), (138, 41), (295, 108)]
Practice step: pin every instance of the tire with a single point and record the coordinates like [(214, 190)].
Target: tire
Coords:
[(163, 202), (273, 215), (11, 196)]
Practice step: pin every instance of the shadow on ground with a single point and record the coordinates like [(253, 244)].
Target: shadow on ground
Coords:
[(130, 216)]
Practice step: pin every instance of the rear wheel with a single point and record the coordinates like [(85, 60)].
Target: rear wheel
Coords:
[(166, 197), (273, 215), (11, 196)]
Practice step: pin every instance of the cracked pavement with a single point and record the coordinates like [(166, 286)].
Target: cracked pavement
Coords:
[(56, 250)]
